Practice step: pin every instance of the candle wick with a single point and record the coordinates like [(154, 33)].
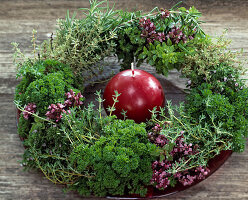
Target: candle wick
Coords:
[(132, 68)]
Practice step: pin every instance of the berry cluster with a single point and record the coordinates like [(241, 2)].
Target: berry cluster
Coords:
[(31, 108), (179, 153), (176, 35), (72, 99), (183, 148), (156, 138), (189, 176), (160, 176), (149, 31), (56, 110)]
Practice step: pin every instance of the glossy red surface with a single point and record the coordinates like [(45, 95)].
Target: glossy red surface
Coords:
[(140, 93)]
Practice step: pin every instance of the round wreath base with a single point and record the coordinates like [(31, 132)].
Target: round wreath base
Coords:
[(176, 95)]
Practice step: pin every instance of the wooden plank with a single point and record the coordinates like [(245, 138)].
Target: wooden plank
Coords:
[(21, 26), (19, 17)]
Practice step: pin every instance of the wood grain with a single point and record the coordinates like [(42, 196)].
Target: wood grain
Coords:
[(17, 20)]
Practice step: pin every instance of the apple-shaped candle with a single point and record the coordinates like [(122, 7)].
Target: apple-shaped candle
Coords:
[(139, 92)]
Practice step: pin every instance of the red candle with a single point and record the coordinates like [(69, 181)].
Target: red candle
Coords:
[(140, 92)]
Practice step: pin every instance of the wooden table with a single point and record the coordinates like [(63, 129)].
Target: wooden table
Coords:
[(19, 17)]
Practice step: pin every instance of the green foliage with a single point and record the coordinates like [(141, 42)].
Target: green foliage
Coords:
[(91, 153), (216, 87), (231, 112), (30, 72), (129, 43), (47, 150), (19, 58), (21, 88), (45, 91), (85, 125), (49, 145), (41, 68), (163, 56), (23, 127), (189, 20), (120, 160), (210, 61), (42, 82), (203, 101), (210, 137), (82, 43)]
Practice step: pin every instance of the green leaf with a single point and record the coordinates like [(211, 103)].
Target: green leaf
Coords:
[(154, 57), (182, 9), (169, 43), (151, 62), (162, 158)]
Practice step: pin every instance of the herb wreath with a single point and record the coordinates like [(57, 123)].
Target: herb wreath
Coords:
[(75, 145)]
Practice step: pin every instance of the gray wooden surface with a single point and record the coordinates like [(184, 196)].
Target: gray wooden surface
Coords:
[(19, 17)]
